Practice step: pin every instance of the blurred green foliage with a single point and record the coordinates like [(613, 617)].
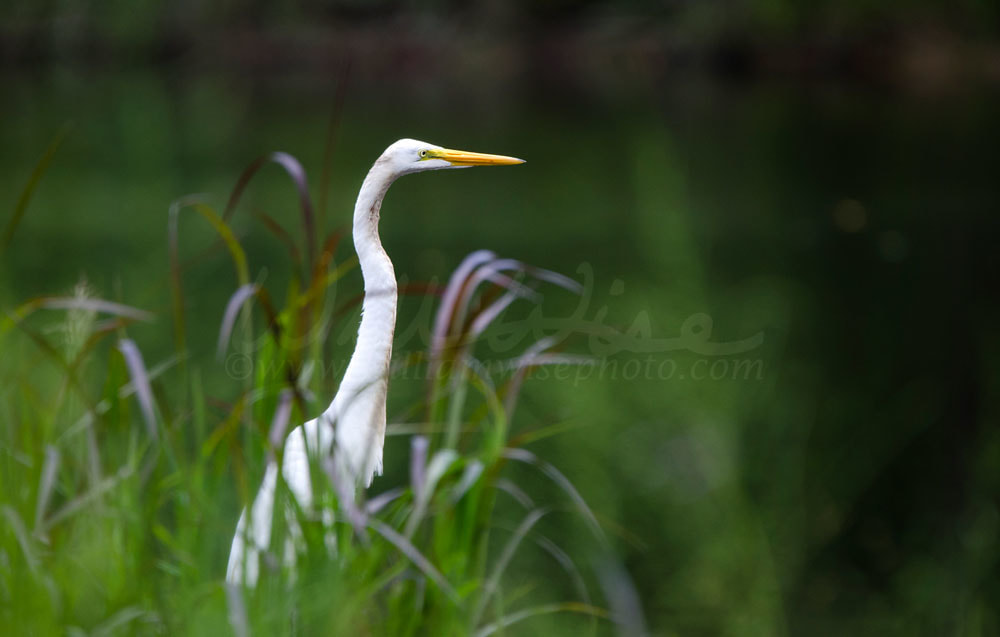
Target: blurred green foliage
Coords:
[(851, 487)]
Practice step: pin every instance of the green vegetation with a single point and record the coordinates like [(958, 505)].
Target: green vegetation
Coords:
[(847, 487), (119, 480)]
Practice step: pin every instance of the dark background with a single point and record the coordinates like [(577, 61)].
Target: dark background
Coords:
[(823, 174)]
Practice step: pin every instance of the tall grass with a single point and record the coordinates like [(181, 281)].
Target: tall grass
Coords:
[(121, 478)]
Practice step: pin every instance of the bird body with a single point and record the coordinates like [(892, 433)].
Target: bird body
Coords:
[(351, 431)]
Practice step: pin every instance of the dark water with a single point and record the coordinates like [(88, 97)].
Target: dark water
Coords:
[(798, 429)]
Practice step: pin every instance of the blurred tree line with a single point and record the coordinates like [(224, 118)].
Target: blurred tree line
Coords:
[(32, 30)]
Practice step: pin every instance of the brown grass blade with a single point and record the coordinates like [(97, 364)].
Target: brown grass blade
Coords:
[(283, 236), (298, 176), (449, 300)]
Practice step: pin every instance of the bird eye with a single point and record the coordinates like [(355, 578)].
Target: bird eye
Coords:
[(423, 153)]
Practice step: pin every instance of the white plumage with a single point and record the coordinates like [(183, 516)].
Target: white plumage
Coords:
[(352, 429)]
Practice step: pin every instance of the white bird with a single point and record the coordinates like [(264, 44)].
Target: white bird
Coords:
[(352, 429)]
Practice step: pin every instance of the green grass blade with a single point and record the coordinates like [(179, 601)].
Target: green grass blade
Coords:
[(406, 548), (525, 456), (493, 581), (16, 524), (546, 609), (29, 188)]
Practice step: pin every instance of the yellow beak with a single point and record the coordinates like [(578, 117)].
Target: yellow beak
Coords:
[(465, 158)]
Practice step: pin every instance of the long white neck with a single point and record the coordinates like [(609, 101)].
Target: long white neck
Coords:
[(358, 409)]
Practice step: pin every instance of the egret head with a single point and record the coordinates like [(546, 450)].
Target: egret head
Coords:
[(410, 156)]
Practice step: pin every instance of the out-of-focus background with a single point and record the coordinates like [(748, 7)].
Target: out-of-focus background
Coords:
[(789, 211)]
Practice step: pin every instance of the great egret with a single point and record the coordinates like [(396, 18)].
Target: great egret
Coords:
[(352, 428)]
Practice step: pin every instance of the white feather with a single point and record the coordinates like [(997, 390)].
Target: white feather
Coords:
[(352, 428)]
